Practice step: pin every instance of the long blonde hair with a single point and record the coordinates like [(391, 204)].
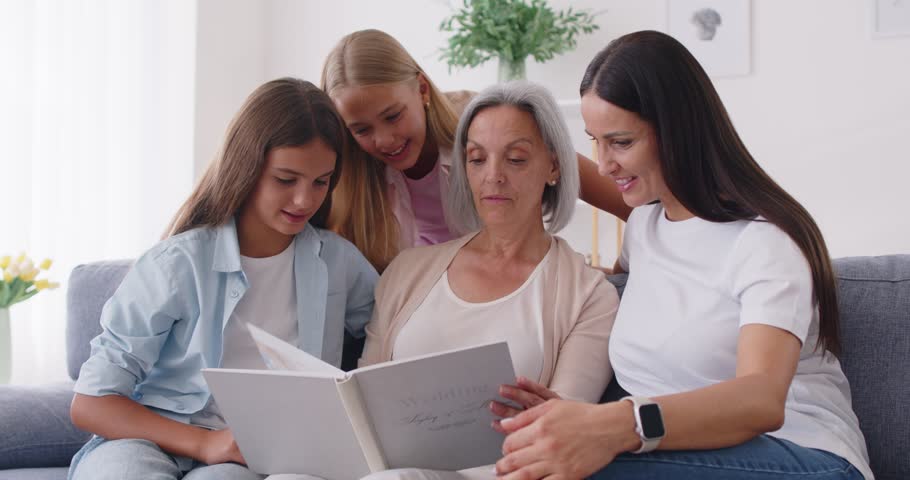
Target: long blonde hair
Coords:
[(361, 211), (283, 112)]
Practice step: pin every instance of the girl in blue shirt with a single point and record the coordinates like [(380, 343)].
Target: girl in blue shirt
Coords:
[(246, 247)]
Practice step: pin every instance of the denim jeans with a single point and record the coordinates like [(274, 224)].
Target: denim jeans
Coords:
[(763, 458), (142, 459)]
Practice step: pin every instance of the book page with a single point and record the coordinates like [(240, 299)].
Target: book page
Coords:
[(280, 355), (433, 411), (363, 427), (288, 422)]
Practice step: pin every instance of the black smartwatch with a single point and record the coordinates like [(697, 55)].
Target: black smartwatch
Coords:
[(649, 422)]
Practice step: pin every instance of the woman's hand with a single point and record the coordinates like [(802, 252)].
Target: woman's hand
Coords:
[(526, 393), (218, 446), (565, 440), (605, 270)]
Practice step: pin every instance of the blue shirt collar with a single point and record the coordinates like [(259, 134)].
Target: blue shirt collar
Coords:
[(227, 246)]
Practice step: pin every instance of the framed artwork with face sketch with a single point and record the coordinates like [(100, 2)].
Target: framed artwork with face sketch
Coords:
[(890, 18), (717, 32)]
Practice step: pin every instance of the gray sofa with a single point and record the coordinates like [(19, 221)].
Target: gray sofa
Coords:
[(37, 439)]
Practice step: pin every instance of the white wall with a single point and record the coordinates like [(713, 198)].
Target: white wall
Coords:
[(824, 110), (96, 144), (231, 49), (827, 113)]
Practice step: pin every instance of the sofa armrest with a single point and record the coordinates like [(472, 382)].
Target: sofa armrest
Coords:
[(37, 431)]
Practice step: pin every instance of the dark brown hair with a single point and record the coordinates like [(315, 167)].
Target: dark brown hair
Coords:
[(281, 113), (705, 164)]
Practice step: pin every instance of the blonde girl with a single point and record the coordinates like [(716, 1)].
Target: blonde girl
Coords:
[(391, 196)]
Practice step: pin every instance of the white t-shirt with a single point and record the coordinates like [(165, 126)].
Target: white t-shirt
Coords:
[(270, 303), (692, 285), (443, 321)]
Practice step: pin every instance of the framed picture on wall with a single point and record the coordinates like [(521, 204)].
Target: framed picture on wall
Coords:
[(890, 18), (717, 32)]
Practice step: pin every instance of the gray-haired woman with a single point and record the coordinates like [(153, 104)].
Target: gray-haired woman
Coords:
[(514, 182)]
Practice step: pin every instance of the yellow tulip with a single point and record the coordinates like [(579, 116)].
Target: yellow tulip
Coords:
[(43, 284), (46, 264), (4, 261), (29, 275), (21, 258), (7, 277)]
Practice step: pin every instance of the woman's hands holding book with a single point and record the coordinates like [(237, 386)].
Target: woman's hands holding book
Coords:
[(525, 393), (564, 439), (218, 446)]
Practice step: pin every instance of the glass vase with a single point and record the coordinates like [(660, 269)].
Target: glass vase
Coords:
[(6, 347), (511, 70)]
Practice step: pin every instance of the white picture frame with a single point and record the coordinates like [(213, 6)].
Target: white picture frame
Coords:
[(717, 32), (890, 18)]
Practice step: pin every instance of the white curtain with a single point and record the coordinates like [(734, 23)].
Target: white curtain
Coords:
[(96, 144)]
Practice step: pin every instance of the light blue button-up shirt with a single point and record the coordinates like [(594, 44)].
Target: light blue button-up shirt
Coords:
[(165, 322)]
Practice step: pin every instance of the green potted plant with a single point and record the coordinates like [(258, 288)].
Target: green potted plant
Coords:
[(511, 30)]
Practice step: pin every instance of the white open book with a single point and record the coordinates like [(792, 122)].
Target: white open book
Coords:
[(306, 416)]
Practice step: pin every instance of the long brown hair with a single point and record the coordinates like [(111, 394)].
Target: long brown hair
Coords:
[(362, 212), (281, 113), (705, 164)]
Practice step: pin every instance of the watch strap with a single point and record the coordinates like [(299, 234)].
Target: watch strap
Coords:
[(647, 444)]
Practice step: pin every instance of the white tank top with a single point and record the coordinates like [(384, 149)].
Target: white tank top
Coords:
[(443, 321)]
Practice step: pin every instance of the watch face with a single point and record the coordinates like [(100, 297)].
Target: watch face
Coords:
[(652, 424)]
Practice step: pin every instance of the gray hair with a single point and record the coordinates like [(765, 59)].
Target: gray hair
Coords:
[(558, 200)]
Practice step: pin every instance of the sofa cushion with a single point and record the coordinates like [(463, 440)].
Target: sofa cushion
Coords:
[(37, 431), (90, 286), (58, 473), (618, 281), (874, 298)]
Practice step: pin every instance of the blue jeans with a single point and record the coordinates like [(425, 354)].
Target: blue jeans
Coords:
[(762, 458), (142, 459)]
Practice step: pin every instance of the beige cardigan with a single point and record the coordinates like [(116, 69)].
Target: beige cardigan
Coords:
[(578, 314)]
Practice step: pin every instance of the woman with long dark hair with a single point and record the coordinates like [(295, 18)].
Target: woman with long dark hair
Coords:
[(726, 337)]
